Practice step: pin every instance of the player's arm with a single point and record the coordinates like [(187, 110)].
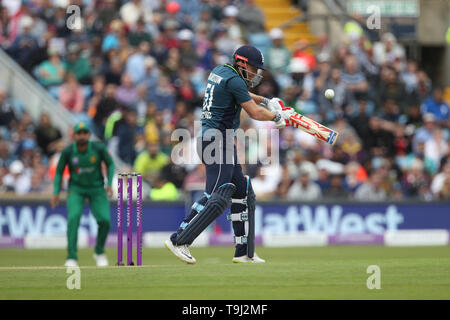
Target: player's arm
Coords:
[(259, 99), (256, 112), (107, 159), (269, 104), (62, 162)]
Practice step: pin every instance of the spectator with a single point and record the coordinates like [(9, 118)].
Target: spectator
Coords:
[(51, 72), (438, 181), (337, 188), (436, 148), (25, 44), (151, 161), (48, 137), (126, 93), (437, 106), (71, 94), (360, 122), (371, 190), (126, 132), (151, 75), (111, 40), (324, 179), (134, 10), (342, 96), (388, 50), (392, 89), (7, 115), (354, 79), (106, 14), (138, 35), (113, 73), (78, 65), (18, 179), (424, 133), (415, 182), (278, 56), (136, 61), (379, 141), (301, 51), (163, 190), (423, 86), (251, 18), (409, 76), (174, 173), (231, 24), (6, 156), (8, 27), (444, 193), (104, 109), (304, 189), (263, 185), (188, 54), (164, 94)]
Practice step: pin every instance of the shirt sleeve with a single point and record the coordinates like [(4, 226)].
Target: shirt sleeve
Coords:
[(62, 162), (109, 164), (239, 90)]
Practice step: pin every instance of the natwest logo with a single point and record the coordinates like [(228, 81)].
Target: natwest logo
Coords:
[(331, 220)]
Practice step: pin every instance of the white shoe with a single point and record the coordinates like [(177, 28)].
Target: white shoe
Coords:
[(71, 263), (101, 260), (182, 252), (257, 259), (241, 259), (246, 259)]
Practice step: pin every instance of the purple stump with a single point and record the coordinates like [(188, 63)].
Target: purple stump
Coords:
[(139, 219), (119, 219), (129, 220)]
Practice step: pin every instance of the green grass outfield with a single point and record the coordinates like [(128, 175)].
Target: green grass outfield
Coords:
[(336, 272)]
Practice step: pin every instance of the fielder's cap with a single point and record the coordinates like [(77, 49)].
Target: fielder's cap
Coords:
[(81, 126), (251, 55)]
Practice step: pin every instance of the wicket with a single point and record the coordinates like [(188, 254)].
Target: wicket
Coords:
[(120, 199)]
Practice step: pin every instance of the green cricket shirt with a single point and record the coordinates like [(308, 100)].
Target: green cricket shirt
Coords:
[(84, 167)]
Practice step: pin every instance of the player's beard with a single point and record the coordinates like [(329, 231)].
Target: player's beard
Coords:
[(82, 142)]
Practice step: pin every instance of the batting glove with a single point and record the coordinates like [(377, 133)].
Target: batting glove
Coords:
[(280, 121)]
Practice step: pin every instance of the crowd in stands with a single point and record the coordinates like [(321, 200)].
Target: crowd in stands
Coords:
[(136, 70)]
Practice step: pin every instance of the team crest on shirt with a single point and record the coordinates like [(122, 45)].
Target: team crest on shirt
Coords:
[(75, 160), (93, 159)]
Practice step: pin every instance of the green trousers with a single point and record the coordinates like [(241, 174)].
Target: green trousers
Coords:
[(99, 204)]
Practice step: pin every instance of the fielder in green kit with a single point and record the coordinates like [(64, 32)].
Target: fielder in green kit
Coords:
[(84, 159)]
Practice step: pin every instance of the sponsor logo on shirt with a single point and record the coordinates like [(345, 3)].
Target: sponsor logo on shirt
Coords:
[(84, 170)]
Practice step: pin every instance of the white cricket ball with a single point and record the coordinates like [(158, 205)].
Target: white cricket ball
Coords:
[(329, 93)]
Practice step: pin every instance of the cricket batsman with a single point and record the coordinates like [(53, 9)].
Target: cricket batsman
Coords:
[(84, 159), (225, 95)]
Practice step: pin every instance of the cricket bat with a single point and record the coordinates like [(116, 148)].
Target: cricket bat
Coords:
[(314, 128), (309, 126)]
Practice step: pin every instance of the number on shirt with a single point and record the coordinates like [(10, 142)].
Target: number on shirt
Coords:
[(207, 100)]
